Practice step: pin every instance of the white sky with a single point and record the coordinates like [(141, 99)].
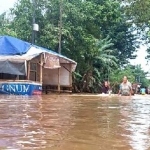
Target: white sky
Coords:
[(141, 54), (6, 4)]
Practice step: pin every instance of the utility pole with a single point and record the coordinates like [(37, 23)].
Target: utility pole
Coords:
[(35, 27), (33, 21), (60, 27)]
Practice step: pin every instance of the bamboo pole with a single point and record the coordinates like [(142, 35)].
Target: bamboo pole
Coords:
[(41, 68), (70, 75), (28, 74), (58, 79)]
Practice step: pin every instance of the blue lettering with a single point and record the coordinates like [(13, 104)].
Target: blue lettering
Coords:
[(25, 88), (7, 87), (12, 88), (15, 88), (3, 87), (19, 87)]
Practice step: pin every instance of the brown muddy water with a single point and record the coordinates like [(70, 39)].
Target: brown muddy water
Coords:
[(74, 122)]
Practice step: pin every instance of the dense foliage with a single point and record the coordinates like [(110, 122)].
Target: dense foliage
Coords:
[(5, 26), (137, 12), (95, 33)]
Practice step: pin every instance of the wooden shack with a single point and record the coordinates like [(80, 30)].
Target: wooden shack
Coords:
[(22, 61), (54, 72)]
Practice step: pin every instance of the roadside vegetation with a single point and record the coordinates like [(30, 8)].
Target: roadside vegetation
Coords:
[(100, 35)]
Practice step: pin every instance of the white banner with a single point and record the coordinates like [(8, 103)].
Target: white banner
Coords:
[(51, 61)]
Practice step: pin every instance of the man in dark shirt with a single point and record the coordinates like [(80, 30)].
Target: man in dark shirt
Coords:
[(105, 88)]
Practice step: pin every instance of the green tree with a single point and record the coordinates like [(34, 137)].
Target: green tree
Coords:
[(98, 64), (138, 11), (85, 23), (140, 76), (5, 28), (137, 14), (22, 14)]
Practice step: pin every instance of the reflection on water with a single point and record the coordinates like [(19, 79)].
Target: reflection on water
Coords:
[(59, 122), (137, 122)]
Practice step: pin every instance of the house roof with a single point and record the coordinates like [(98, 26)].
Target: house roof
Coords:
[(11, 46)]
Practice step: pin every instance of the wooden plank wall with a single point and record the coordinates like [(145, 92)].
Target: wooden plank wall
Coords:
[(50, 76)]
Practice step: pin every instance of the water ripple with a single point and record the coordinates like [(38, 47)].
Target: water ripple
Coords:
[(67, 122)]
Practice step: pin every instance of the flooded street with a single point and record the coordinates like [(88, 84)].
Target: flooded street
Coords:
[(71, 122)]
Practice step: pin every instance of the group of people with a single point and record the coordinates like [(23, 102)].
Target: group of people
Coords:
[(125, 88)]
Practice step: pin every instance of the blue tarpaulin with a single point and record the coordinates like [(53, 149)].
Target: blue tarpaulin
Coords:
[(13, 46), (14, 51)]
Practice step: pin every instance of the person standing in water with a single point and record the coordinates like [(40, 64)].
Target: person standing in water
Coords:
[(125, 87), (105, 88), (143, 91)]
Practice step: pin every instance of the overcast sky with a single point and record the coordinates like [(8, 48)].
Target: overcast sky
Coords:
[(6, 4), (141, 54)]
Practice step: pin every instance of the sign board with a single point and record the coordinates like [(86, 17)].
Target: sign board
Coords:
[(20, 88), (51, 61)]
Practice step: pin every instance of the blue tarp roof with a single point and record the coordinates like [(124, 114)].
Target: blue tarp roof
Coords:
[(13, 50), (13, 46)]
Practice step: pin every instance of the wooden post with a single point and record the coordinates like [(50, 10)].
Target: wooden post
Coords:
[(17, 78), (41, 68), (70, 77), (58, 79), (28, 74)]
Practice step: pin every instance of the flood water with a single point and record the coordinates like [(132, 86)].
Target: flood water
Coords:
[(71, 122)]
